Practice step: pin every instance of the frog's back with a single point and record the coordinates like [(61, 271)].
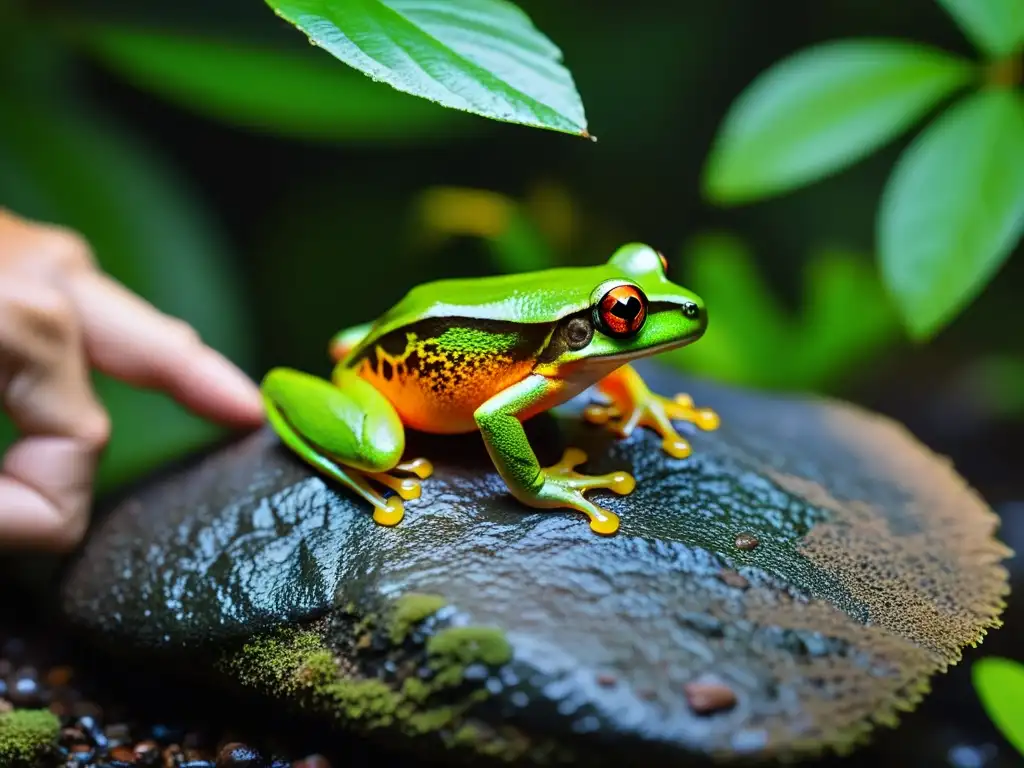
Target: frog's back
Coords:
[(526, 298), (450, 345)]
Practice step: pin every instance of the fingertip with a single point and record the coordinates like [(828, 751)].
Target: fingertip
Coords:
[(226, 394)]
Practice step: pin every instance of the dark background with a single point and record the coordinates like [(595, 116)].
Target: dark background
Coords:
[(301, 237)]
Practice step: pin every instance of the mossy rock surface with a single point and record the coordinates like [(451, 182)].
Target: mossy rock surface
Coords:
[(478, 626)]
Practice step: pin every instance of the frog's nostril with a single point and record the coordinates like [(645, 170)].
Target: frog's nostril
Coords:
[(691, 310)]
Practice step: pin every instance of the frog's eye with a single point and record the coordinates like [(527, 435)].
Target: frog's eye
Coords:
[(621, 312), (664, 262)]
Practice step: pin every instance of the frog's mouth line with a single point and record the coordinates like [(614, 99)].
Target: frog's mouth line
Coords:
[(647, 351)]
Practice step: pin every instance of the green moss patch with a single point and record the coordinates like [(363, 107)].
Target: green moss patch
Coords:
[(428, 695), (26, 735), (452, 650), (410, 610)]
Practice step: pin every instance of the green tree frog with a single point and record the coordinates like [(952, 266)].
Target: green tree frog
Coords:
[(486, 354)]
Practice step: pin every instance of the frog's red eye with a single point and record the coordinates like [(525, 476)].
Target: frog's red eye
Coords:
[(621, 312), (664, 262)]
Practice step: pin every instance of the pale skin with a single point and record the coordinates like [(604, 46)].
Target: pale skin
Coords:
[(61, 317)]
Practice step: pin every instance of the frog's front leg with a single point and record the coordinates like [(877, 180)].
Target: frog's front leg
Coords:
[(557, 486), (633, 404), (347, 430)]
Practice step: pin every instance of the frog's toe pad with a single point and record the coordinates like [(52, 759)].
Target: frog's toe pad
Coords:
[(620, 482), (676, 447), (420, 467), (682, 408), (600, 414), (391, 513)]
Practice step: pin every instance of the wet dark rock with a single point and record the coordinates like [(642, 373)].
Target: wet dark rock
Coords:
[(481, 627)]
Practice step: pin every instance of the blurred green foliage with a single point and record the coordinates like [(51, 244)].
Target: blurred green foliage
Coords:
[(261, 189), (953, 208), (214, 77), (1000, 684)]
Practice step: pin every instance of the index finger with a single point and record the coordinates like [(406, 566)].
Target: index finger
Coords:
[(128, 338)]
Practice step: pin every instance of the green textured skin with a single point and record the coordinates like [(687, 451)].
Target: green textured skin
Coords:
[(506, 439)]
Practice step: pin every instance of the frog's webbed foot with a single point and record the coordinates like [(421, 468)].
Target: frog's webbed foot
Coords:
[(634, 405), (657, 413), (563, 487)]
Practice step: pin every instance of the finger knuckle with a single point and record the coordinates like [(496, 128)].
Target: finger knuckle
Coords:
[(41, 313), (183, 334), (65, 249), (95, 429)]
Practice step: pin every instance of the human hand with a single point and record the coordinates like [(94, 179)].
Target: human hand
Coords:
[(59, 317)]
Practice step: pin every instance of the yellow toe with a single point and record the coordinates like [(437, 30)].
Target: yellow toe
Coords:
[(392, 512)]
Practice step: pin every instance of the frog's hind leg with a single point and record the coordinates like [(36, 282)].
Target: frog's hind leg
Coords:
[(349, 432), (388, 511)]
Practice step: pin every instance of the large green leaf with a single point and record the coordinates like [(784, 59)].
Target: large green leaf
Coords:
[(1000, 685), (823, 109), (994, 26), (480, 56), (148, 230), (299, 93), (953, 209)]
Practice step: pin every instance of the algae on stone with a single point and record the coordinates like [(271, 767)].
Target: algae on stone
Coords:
[(409, 610), (26, 735), (298, 663)]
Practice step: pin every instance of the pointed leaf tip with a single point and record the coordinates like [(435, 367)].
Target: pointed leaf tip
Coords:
[(479, 56)]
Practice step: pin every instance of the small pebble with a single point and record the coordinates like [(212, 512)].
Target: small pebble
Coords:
[(173, 756), (746, 541), (88, 725), (58, 677), (123, 753), (147, 753), (733, 579), (313, 761), (118, 733), (71, 736), (236, 755), (706, 697)]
